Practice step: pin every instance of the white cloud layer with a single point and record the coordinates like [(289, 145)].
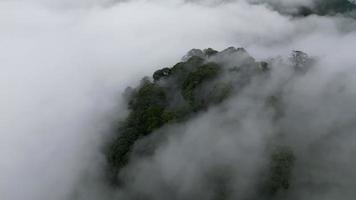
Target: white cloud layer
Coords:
[(63, 65)]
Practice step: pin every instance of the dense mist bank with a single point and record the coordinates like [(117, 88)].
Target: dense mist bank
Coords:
[(64, 65)]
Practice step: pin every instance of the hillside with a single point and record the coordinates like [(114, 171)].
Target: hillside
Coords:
[(202, 80)]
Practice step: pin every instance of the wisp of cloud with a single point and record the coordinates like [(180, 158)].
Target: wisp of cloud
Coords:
[(64, 65)]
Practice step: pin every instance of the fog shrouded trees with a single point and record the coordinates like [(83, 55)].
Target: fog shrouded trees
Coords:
[(203, 79)]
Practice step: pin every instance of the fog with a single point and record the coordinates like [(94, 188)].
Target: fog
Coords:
[(64, 65)]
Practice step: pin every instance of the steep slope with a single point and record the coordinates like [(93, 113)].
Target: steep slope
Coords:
[(204, 79)]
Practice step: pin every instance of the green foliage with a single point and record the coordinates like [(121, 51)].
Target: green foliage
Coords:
[(194, 61), (149, 94), (334, 6), (149, 108), (169, 116), (179, 68), (219, 92), (162, 73), (195, 78), (210, 52), (190, 87), (179, 72), (280, 171), (147, 113), (328, 7)]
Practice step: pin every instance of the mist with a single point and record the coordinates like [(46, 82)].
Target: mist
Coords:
[(64, 65)]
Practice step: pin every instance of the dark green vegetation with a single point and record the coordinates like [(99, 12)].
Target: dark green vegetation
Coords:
[(317, 7), (331, 7), (172, 96), (328, 7), (280, 171), (176, 94)]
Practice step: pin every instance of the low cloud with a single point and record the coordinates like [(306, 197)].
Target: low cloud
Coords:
[(64, 65)]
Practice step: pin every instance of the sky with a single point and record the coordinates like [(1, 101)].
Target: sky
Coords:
[(65, 63)]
